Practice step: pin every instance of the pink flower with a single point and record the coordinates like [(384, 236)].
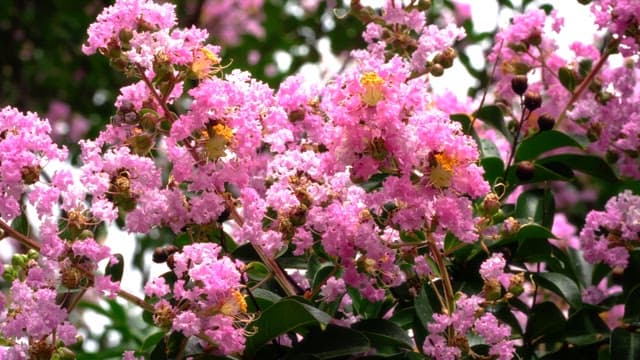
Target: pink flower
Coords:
[(493, 267)]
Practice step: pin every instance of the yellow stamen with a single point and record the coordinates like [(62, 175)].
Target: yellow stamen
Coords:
[(203, 60), (234, 304), (224, 131), (442, 171), (372, 84)]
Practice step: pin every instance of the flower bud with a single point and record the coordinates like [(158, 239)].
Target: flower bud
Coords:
[(546, 122), (10, 273), (510, 227), (492, 290), (525, 170), (125, 35), (85, 234), (535, 38), (19, 260), (437, 70), (63, 353), (491, 204), (163, 316), (32, 254), (516, 284), (171, 262), (159, 255), (532, 100), (148, 121), (126, 106), (71, 277), (519, 84)]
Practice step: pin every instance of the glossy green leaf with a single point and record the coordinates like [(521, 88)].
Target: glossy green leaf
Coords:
[(625, 344), (534, 231), (535, 145), (286, 315), (545, 322), (257, 271), (333, 342), (492, 115), (423, 307), (151, 341), (632, 307), (322, 274), (588, 164), (493, 169), (585, 327), (561, 285), (536, 204), (115, 270), (383, 332)]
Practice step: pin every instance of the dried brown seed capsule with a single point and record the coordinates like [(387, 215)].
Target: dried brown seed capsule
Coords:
[(532, 100), (546, 122), (519, 84)]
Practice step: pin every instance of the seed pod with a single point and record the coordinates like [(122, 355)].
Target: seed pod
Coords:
[(159, 255), (519, 84), (546, 122), (532, 100)]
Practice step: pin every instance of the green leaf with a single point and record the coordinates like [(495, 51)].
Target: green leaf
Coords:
[(257, 271), (561, 285), (423, 307), (492, 115), (284, 316), (115, 270), (533, 146), (567, 78), (625, 345), (585, 327), (534, 231), (333, 342), (151, 341), (322, 274), (21, 224), (545, 322), (383, 332), (632, 307), (588, 164), (536, 204), (548, 172), (493, 169)]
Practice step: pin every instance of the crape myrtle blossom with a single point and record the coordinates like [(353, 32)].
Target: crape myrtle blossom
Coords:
[(205, 301), (526, 46), (609, 235), (468, 316), (25, 148), (622, 18)]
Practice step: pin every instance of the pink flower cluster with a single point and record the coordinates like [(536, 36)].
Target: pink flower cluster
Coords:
[(25, 148), (608, 235), (205, 300), (464, 320), (622, 18)]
